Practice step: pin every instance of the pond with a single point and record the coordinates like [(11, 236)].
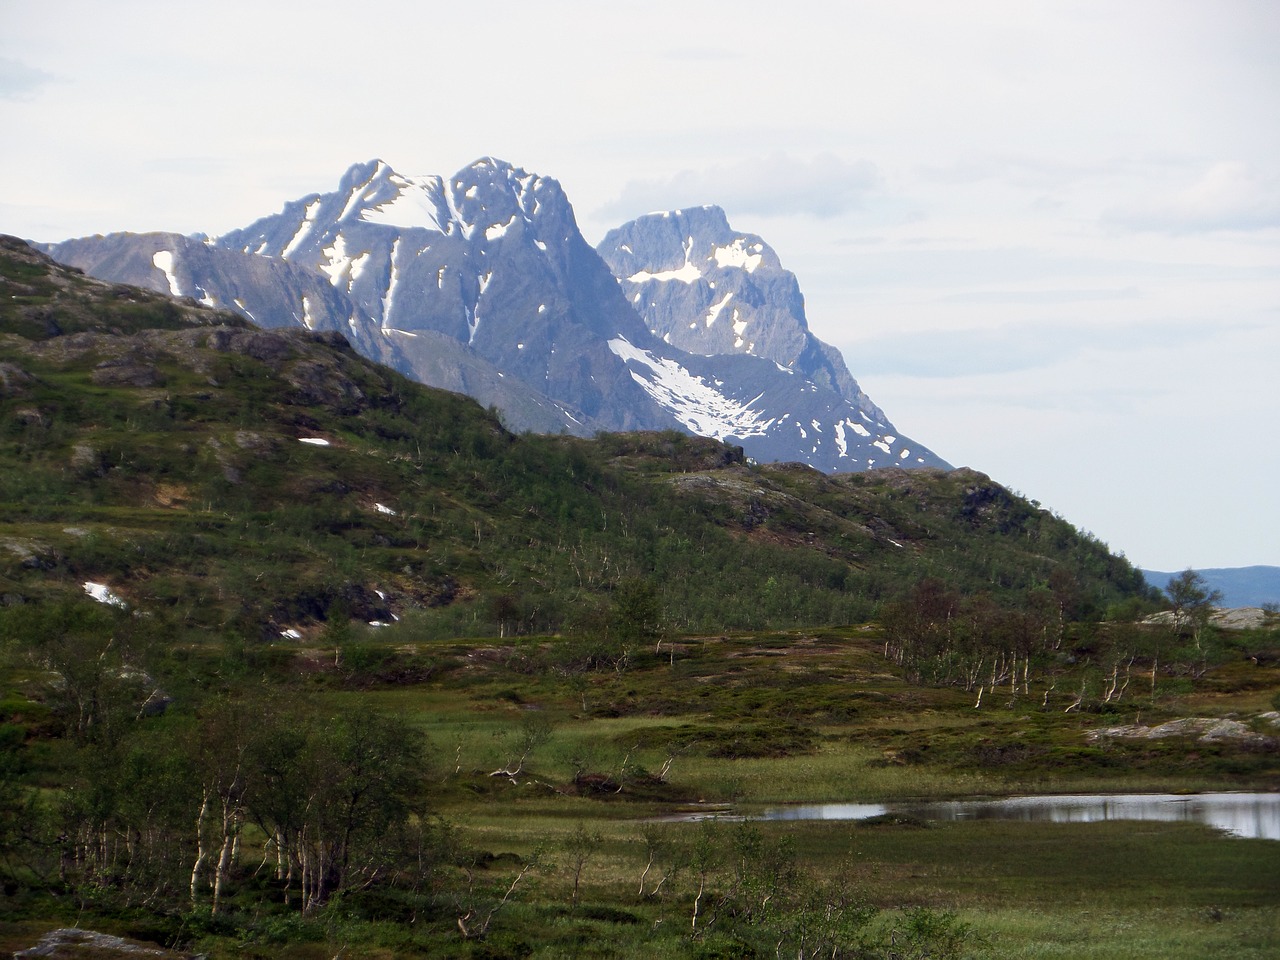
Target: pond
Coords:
[(1252, 815)]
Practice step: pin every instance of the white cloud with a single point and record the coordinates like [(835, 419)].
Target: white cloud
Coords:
[(1042, 296), (977, 351), (1012, 169), (1227, 196), (776, 185), (19, 81)]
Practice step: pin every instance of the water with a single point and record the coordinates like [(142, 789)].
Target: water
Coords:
[(1252, 815)]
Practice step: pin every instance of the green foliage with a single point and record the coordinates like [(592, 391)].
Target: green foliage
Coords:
[(1192, 602), (174, 456), (572, 612)]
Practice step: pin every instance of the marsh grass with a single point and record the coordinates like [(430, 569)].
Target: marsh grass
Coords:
[(1159, 933), (834, 726), (1101, 891)]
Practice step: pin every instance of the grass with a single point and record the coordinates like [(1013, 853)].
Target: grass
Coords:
[(1103, 890), (757, 735), (1028, 890), (1048, 933)]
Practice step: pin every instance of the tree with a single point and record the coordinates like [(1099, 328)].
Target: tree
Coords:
[(225, 733), (579, 847), (920, 629), (637, 617), (705, 857), (333, 794), (1192, 602), (659, 849), (94, 656), (533, 732), (20, 812)]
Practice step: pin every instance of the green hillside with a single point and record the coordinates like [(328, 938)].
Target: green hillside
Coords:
[(301, 659), (162, 450)]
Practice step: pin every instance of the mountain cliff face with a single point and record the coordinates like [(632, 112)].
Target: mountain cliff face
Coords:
[(709, 289), (269, 292), (491, 258), (482, 283)]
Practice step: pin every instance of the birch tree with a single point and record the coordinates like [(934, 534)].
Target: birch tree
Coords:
[(334, 793)]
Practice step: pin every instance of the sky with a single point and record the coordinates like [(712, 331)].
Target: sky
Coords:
[(1045, 236)]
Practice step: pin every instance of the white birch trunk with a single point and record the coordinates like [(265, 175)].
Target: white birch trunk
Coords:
[(201, 853)]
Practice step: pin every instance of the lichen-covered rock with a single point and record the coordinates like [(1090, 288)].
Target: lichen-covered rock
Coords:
[(72, 943), (1203, 729)]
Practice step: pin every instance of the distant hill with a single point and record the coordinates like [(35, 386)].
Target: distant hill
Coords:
[(1240, 586)]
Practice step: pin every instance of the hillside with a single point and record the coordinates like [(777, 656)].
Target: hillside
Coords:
[(258, 480), (202, 747)]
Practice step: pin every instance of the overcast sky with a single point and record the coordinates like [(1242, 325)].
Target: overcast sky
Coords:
[(1046, 235)]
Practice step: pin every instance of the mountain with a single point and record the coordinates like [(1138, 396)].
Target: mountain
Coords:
[(1240, 586), (708, 289), (482, 283), (218, 477)]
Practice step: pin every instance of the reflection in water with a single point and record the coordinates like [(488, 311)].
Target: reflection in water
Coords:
[(1254, 815)]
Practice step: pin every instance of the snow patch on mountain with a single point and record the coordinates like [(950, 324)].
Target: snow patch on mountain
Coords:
[(692, 400), (102, 593), (739, 255), (686, 274), (716, 307), (163, 261), (357, 193), (498, 229), (392, 280), (455, 212), (340, 266), (304, 229), (416, 203)]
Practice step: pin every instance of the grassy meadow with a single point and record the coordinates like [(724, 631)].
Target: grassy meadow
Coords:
[(553, 799), (819, 718)]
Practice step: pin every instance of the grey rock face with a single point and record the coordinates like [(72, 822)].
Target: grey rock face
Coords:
[(709, 289), (482, 283), (492, 259), (719, 294), (270, 292)]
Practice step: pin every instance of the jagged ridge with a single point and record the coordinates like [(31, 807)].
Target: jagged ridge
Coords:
[(482, 282)]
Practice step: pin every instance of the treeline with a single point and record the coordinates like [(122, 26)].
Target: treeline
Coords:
[(154, 801), (940, 635), (160, 816), (230, 825)]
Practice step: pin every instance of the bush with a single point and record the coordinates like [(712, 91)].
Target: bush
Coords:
[(501, 946), (725, 948)]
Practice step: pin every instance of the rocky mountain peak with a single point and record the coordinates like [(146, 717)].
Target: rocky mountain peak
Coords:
[(481, 282), (708, 289), (689, 246), (492, 194)]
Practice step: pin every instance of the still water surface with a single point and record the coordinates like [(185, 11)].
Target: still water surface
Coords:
[(1253, 815)]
